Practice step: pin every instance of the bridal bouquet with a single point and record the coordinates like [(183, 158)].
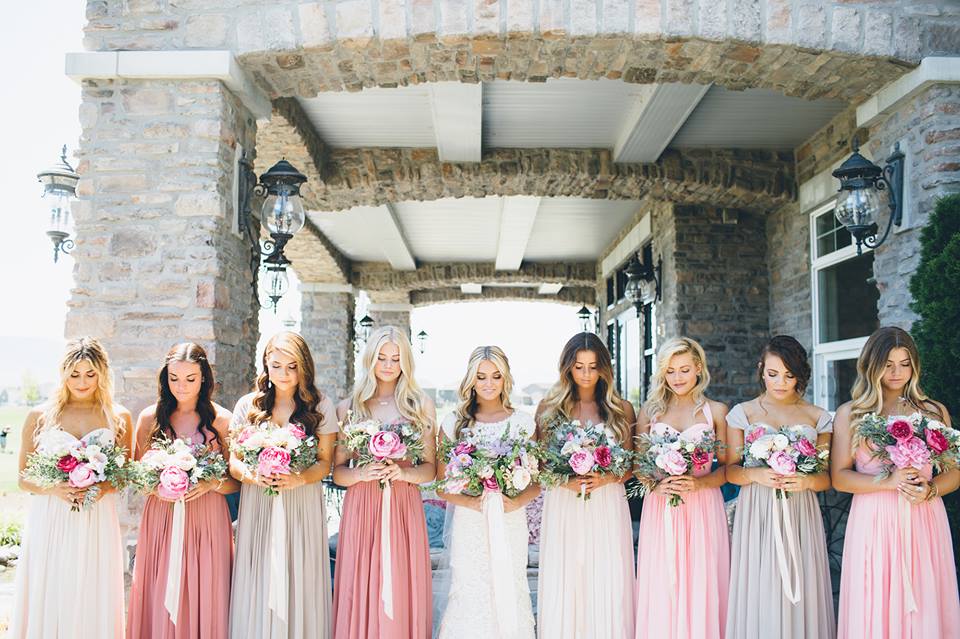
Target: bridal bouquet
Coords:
[(785, 450), (269, 449), (914, 440), (507, 464), (172, 468), (668, 455), (373, 441), (575, 449), (80, 463)]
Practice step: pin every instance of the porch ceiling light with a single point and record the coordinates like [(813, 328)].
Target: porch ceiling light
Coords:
[(283, 215), (859, 200), (361, 333), (643, 282), (59, 189), (422, 339), (585, 315)]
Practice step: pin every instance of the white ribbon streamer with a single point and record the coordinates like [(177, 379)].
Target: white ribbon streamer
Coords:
[(171, 598), (501, 563), (386, 566), (906, 550), (791, 590), (277, 595)]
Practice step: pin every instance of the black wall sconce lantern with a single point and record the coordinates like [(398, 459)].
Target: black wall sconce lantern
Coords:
[(643, 282), (59, 189), (859, 201)]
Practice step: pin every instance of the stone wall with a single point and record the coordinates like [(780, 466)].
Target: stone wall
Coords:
[(155, 207), (327, 326), (788, 261)]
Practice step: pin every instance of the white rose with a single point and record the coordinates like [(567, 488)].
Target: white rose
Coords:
[(119, 461), (521, 478), (183, 460), (760, 449), (97, 461), (780, 441), (154, 459), (690, 447), (569, 448), (372, 428), (674, 445), (257, 440)]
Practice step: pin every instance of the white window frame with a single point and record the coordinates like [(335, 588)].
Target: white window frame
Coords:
[(826, 352)]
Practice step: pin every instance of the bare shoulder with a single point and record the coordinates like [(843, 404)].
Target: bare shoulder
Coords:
[(222, 412), (843, 413), (123, 413), (938, 409), (719, 409), (628, 410), (428, 403), (222, 417), (812, 411), (148, 413)]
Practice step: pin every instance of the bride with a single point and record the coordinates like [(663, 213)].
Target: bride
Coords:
[(474, 607)]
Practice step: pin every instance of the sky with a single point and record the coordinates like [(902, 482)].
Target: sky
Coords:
[(40, 114)]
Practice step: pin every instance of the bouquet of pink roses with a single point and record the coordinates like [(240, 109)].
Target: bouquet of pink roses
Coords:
[(573, 449), (79, 462), (269, 449), (372, 441), (173, 468), (668, 455), (507, 464), (786, 451), (914, 440)]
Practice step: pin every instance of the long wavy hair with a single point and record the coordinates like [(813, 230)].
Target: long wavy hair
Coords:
[(167, 403), (307, 397), (867, 394), (91, 351), (466, 410), (660, 392), (560, 401), (410, 398)]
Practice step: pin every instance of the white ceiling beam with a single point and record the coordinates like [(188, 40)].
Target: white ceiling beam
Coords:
[(457, 110), (516, 223), (654, 120), (471, 289), (394, 243), (549, 289)]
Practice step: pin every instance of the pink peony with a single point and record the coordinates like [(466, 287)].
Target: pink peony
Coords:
[(901, 430), (297, 431), (603, 457), (245, 434), (672, 462), (805, 447), (82, 476), (387, 445), (911, 452), (463, 448), (273, 461), (67, 463), (582, 461), (174, 483), (782, 463), (490, 483), (935, 440), (700, 458), (755, 434)]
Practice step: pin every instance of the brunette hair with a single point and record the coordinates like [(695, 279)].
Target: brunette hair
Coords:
[(794, 357), (167, 403)]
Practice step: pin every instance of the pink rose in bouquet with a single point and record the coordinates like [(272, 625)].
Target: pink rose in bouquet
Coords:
[(582, 461), (297, 431), (782, 463), (387, 445), (67, 463), (603, 456), (672, 462), (805, 447), (936, 441), (490, 483), (174, 483), (245, 434), (701, 458), (910, 452), (82, 476), (754, 435), (463, 448), (273, 461), (901, 430)]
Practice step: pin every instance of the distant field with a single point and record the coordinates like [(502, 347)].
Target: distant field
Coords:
[(12, 416)]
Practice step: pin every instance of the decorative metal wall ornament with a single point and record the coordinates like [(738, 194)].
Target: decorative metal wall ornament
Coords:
[(282, 213), (858, 203), (643, 283), (60, 187)]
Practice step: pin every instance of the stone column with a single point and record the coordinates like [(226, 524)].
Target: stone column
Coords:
[(327, 325), (158, 260), (390, 309)]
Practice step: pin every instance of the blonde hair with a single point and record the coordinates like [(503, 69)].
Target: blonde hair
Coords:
[(411, 400), (867, 394), (467, 406), (560, 401), (79, 350), (660, 392), (307, 397)]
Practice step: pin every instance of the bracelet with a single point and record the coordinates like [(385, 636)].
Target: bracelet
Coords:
[(933, 493)]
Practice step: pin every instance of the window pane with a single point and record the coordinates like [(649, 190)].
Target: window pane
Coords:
[(621, 283), (848, 299), (610, 291), (831, 235), (630, 357), (841, 374)]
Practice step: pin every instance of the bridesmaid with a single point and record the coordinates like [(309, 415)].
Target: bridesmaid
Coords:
[(897, 544), (472, 609), (386, 392), (780, 575), (70, 576), (284, 393), (184, 410), (586, 582), (682, 577)]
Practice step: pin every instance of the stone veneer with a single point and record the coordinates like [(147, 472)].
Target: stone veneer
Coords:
[(327, 326), (788, 260)]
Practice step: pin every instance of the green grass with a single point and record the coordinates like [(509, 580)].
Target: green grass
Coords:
[(13, 417)]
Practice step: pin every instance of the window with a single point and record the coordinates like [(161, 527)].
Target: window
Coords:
[(611, 294), (844, 307)]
